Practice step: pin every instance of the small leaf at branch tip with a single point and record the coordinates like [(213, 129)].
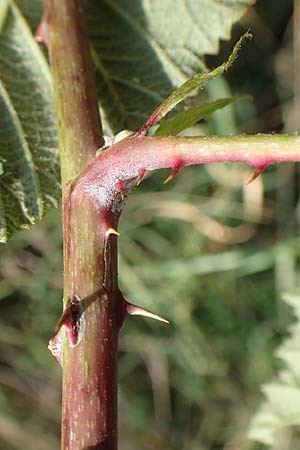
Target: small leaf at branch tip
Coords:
[(198, 81), (255, 174), (110, 231), (186, 119), (133, 310)]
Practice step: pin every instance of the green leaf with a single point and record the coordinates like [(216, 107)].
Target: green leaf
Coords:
[(281, 408), (196, 82), (29, 182), (143, 50), (4, 5), (32, 11), (186, 119)]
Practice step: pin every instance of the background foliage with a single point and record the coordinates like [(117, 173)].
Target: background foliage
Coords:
[(208, 252)]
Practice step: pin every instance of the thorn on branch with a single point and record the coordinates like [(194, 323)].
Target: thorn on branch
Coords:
[(72, 319), (110, 231), (175, 169), (256, 173), (141, 176), (133, 310), (41, 34)]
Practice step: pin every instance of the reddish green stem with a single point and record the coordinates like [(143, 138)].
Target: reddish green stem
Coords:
[(80, 133), (93, 305), (91, 270), (129, 160), (90, 357)]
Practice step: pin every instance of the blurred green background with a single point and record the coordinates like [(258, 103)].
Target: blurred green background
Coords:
[(207, 251)]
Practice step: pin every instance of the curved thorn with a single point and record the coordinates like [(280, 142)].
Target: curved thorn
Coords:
[(110, 231), (141, 176), (41, 34), (255, 174), (133, 310), (175, 169)]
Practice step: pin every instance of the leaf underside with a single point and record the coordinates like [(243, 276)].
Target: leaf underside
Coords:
[(29, 183), (141, 51)]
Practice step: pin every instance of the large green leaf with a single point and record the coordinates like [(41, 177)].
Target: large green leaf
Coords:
[(29, 183), (141, 49)]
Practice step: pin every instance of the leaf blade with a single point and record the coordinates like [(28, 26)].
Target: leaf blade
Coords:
[(29, 185), (198, 81), (186, 119), (149, 48)]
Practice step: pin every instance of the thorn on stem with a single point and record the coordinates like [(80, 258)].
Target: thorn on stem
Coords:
[(41, 34), (133, 310), (175, 169), (110, 231), (256, 173), (72, 319), (141, 176)]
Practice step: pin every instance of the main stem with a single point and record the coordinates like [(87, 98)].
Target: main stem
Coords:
[(91, 298)]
